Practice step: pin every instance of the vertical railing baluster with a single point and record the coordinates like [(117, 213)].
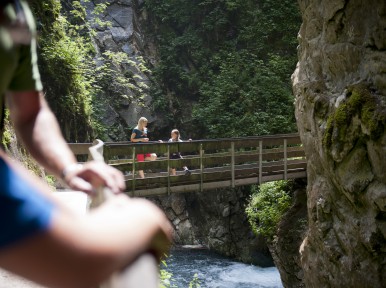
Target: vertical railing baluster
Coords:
[(233, 163), (285, 159), (260, 161), (168, 149), (133, 173), (201, 168)]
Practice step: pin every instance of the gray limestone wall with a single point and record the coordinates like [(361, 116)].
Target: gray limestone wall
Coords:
[(122, 106), (340, 90)]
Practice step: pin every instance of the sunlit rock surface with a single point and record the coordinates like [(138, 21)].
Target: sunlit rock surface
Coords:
[(340, 90)]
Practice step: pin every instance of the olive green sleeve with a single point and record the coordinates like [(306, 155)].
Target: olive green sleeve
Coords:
[(26, 76)]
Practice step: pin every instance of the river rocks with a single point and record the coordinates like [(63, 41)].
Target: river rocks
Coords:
[(340, 107)]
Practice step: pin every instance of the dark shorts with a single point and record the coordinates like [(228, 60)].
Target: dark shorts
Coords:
[(23, 210), (175, 156), (141, 157)]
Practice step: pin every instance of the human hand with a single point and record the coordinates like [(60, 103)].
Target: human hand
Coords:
[(94, 174), (145, 139)]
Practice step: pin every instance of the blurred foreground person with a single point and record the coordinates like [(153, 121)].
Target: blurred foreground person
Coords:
[(40, 238)]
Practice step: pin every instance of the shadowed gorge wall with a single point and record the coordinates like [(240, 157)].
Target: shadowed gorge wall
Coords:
[(340, 90)]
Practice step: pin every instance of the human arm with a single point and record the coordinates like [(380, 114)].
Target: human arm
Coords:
[(136, 140), (70, 249), (84, 251), (38, 129)]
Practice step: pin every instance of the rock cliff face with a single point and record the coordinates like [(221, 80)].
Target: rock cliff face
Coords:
[(216, 220), (340, 89), (123, 105)]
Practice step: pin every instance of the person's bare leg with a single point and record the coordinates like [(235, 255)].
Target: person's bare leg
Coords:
[(152, 157), (187, 171), (141, 174), (82, 251), (173, 172)]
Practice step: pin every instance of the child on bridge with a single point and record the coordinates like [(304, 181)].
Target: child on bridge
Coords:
[(175, 137)]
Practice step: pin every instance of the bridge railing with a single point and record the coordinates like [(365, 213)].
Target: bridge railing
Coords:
[(214, 163)]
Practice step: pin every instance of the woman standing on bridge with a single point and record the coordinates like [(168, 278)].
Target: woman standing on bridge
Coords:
[(139, 134)]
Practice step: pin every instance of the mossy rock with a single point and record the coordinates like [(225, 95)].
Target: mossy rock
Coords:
[(361, 103)]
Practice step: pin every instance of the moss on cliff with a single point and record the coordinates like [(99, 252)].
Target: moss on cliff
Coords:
[(362, 103)]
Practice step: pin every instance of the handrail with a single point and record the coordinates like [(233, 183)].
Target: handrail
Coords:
[(215, 163), (143, 272)]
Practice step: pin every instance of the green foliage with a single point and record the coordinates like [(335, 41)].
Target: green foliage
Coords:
[(65, 58), (361, 103), (7, 132), (267, 205), (75, 79), (195, 283), (252, 98), (13, 147), (234, 57), (50, 180), (166, 277)]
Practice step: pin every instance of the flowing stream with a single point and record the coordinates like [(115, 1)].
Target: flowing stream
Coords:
[(215, 271)]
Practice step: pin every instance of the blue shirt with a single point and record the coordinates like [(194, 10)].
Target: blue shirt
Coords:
[(140, 134), (23, 210)]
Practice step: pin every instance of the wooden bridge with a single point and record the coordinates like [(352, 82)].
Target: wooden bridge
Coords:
[(214, 163)]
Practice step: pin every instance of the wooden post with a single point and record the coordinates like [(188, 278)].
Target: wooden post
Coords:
[(233, 163), (285, 159), (168, 168), (260, 162), (133, 173)]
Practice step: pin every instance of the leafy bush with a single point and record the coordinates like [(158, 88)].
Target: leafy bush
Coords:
[(267, 205)]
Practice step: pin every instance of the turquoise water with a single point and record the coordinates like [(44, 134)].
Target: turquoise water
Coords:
[(215, 271)]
